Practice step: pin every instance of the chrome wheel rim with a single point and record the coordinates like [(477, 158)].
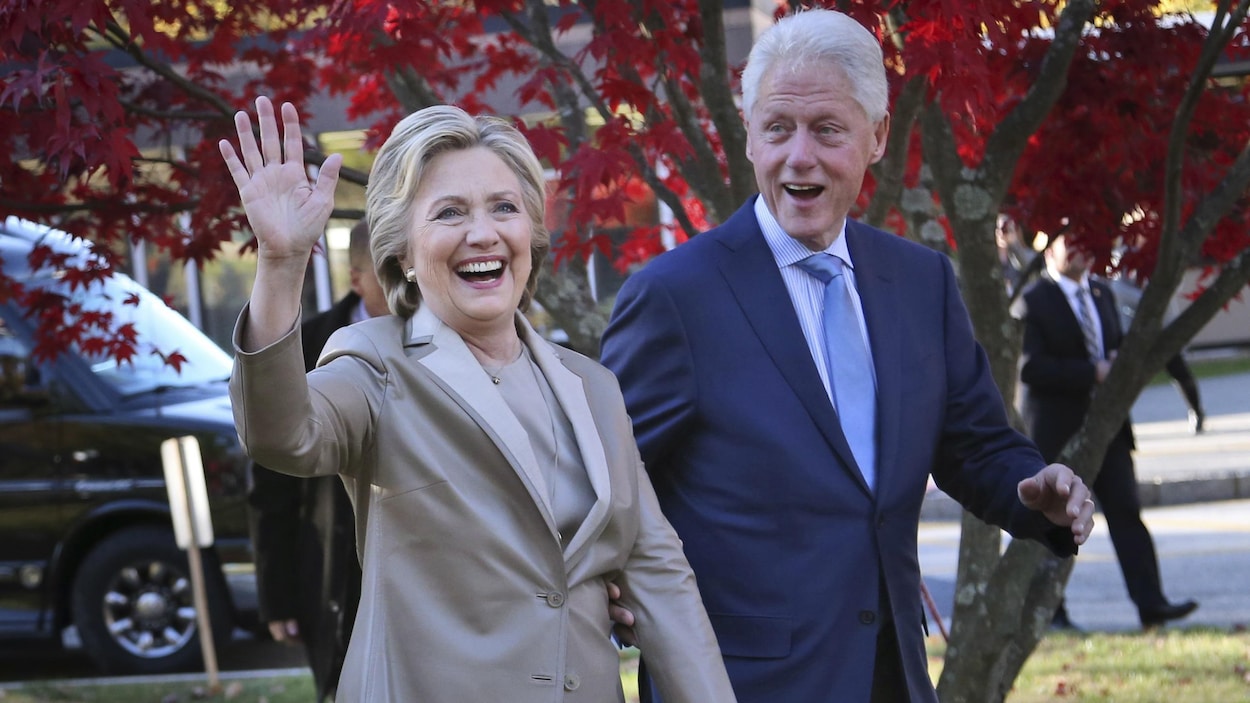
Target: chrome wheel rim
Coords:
[(149, 609)]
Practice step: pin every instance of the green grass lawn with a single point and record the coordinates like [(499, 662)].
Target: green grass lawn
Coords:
[(1198, 665)]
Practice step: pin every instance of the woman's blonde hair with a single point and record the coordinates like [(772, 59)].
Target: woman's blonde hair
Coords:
[(396, 177)]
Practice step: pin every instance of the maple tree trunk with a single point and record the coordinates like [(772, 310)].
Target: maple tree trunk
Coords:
[(565, 294), (1003, 605), (999, 613)]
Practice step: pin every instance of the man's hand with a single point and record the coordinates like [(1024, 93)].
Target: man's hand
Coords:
[(284, 630), (1059, 494), (1101, 369), (622, 618)]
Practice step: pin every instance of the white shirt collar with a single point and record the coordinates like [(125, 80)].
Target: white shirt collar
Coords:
[(1067, 285), (359, 313), (787, 250)]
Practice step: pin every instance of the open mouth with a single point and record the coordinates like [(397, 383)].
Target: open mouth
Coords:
[(480, 271), (803, 192)]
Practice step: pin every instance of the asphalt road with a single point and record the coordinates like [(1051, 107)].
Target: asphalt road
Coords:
[(1204, 554), (43, 662)]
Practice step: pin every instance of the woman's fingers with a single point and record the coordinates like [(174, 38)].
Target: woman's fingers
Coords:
[(270, 145), (285, 210), (238, 171), (247, 142), (292, 136), (328, 178)]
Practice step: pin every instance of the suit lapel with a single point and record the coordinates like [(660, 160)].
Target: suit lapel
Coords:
[(459, 374), (879, 298), (1074, 336), (570, 392), (751, 273)]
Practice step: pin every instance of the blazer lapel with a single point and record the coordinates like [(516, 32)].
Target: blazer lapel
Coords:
[(459, 374), (879, 298), (751, 273), (570, 392)]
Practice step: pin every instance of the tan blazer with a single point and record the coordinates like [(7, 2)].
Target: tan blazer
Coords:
[(467, 595)]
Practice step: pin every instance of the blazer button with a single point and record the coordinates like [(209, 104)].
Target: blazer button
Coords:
[(555, 599), (867, 617), (571, 682)]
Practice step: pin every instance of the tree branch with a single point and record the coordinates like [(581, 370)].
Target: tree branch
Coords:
[(546, 46), (715, 81), (888, 172), (412, 90), (1009, 139), (703, 170), (1217, 38), (117, 36)]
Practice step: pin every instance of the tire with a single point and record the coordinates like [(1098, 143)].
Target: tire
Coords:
[(134, 607)]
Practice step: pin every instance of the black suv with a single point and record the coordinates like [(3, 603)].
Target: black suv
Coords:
[(87, 552)]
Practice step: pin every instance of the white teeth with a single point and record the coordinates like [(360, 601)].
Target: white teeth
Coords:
[(480, 267), (802, 188)]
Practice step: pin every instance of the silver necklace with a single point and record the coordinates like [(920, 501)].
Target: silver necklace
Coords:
[(494, 371)]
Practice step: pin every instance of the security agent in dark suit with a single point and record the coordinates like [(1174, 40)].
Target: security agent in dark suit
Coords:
[(1071, 334), (307, 572)]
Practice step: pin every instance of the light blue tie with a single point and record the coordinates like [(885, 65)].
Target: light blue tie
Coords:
[(850, 368)]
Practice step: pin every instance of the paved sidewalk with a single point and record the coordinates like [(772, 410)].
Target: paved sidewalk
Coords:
[(1175, 467)]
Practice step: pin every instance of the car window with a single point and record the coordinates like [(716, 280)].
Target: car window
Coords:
[(20, 385), (160, 330)]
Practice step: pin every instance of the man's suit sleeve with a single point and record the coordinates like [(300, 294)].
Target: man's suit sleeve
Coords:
[(646, 346), (981, 458), (275, 523)]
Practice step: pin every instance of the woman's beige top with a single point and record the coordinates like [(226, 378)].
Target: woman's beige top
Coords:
[(471, 591), (526, 391)]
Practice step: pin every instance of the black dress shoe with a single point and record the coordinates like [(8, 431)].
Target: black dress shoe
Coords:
[(1197, 421), (1155, 617)]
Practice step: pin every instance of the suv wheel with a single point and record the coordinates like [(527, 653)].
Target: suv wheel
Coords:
[(134, 607)]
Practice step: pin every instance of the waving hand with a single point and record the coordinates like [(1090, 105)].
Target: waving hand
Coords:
[(288, 214)]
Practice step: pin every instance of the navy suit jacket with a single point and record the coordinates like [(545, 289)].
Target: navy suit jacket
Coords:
[(744, 448)]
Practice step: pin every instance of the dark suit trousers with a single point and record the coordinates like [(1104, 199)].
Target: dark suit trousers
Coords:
[(889, 683), (1116, 491)]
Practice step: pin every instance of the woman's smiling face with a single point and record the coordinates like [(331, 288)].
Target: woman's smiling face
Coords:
[(470, 240)]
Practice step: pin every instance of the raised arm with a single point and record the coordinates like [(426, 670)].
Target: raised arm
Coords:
[(287, 214)]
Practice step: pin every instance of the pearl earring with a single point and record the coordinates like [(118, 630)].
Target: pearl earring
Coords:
[(411, 275)]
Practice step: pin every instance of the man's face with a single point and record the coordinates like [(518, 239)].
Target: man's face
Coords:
[(1069, 262), (365, 284), (811, 143)]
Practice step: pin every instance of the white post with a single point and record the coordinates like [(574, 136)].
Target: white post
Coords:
[(193, 528)]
